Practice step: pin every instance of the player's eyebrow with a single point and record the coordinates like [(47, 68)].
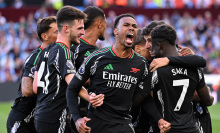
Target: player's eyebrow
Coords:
[(79, 28), (149, 39), (127, 23)]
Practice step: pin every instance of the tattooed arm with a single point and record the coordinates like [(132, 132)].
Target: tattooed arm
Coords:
[(27, 86)]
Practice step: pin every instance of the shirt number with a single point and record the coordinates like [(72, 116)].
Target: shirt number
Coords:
[(185, 84), (40, 83)]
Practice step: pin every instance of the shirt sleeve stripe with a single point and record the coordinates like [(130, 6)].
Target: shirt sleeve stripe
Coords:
[(96, 53), (37, 56)]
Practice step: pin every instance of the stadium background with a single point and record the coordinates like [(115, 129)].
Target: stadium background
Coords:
[(197, 23)]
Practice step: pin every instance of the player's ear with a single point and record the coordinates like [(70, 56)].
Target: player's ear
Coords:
[(44, 36), (99, 24), (137, 49), (162, 46), (66, 28), (115, 31)]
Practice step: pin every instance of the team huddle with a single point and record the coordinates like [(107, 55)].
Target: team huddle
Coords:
[(143, 83)]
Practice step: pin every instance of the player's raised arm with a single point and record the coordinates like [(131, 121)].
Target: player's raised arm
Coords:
[(188, 59), (184, 51)]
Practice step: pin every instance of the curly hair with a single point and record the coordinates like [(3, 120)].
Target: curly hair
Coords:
[(122, 16), (164, 33)]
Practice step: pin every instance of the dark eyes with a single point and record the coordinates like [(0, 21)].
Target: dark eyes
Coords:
[(134, 26), (81, 28)]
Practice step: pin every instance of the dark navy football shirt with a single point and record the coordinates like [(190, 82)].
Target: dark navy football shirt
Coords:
[(53, 65)]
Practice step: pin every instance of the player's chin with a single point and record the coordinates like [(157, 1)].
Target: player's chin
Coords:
[(152, 55), (77, 41), (102, 38), (129, 45)]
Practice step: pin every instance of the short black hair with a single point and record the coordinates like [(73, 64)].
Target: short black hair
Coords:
[(139, 39), (43, 25), (92, 13), (164, 33), (122, 16), (67, 14), (148, 28)]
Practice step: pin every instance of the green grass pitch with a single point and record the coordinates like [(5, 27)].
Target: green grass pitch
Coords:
[(6, 106)]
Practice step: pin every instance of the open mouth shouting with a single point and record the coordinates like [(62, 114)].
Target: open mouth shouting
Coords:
[(130, 38)]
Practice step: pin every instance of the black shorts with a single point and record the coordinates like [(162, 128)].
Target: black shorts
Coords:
[(142, 124), (203, 118), (45, 127), (60, 126), (204, 122), (17, 124), (100, 126)]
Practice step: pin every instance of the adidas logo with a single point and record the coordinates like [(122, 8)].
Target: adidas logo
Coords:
[(109, 67), (87, 53)]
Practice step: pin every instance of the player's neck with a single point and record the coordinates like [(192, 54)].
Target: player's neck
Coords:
[(171, 52), (44, 45), (121, 51), (63, 39), (90, 37)]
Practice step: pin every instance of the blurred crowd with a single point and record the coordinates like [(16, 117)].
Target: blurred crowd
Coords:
[(18, 39), (200, 33), (198, 4)]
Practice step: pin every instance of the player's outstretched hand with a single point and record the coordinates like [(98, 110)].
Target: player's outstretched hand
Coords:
[(164, 126), (159, 62), (96, 100), (81, 125), (185, 51)]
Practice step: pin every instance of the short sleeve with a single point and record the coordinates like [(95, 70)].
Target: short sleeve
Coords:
[(62, 60), (29, 65), (67, 65), (85, 70)]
